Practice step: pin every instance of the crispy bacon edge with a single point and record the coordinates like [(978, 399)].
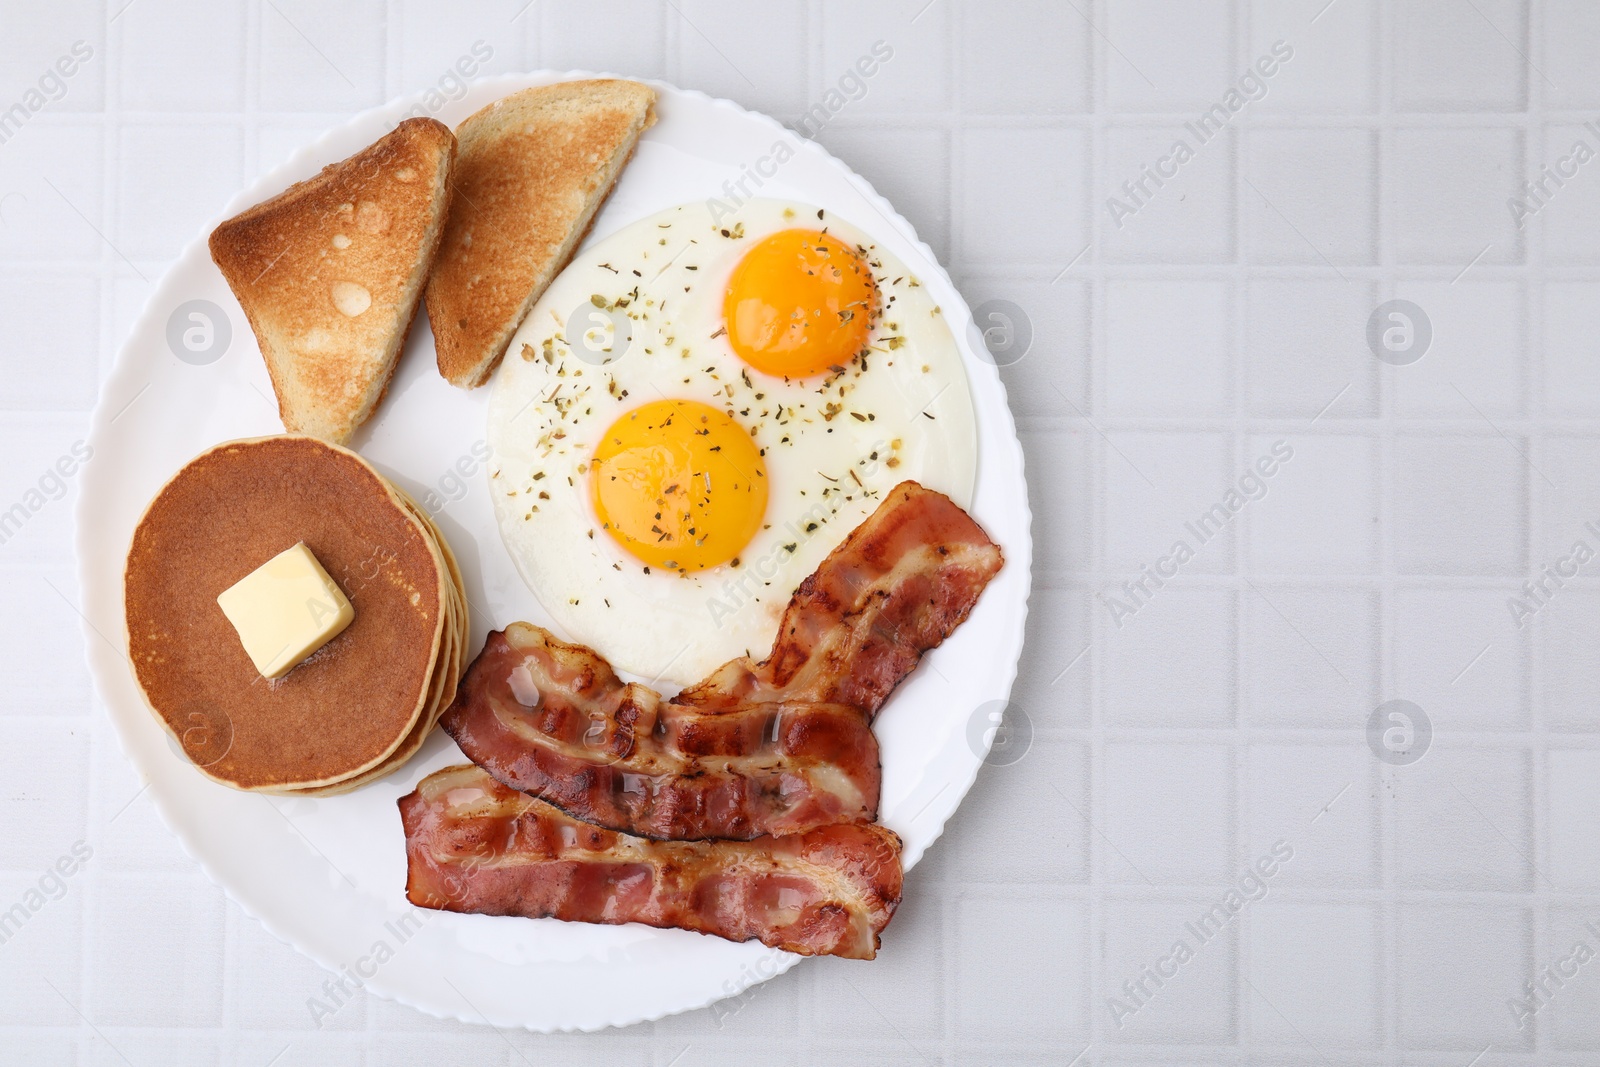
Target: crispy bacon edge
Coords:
[(553, 719), (476, 846), (895, 588)]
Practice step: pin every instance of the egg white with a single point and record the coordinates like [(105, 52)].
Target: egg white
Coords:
[(645, 310)]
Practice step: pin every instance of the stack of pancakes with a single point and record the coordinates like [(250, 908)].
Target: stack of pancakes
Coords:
[(358, 707)]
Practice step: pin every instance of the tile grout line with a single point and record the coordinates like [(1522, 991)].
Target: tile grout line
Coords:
[(1535, 508), (1095, 785), (1381, 31), (1243, 13), (110, 144)]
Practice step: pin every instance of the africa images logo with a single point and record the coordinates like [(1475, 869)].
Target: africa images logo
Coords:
[(1251, 86), (51, 87)]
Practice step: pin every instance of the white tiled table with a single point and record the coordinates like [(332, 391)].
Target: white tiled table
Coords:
[(1169, 753)]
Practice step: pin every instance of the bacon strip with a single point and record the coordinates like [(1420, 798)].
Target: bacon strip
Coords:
[(898, 586), (473, 845), (553, 719), (769, 748)]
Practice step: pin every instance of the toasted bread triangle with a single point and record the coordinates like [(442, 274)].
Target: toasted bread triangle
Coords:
[(330, 273), (534, 169)]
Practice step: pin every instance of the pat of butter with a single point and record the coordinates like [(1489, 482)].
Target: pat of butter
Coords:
[(286, 609)]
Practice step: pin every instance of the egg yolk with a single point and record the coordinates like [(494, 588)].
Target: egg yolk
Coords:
[(679, 485), (799, 303)]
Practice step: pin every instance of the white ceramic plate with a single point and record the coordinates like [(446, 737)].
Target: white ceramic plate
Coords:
[(328, 875)]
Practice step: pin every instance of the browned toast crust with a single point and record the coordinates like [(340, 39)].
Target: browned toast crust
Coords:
[(330, 273), (534, 169)]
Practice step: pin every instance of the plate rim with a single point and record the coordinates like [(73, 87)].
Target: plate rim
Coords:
[(309, 155)]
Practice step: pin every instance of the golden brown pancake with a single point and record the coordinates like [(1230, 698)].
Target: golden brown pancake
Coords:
[(354, 703), (451, 665), (445, 680)]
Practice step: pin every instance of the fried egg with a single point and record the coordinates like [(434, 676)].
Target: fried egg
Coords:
[(699, 409)]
